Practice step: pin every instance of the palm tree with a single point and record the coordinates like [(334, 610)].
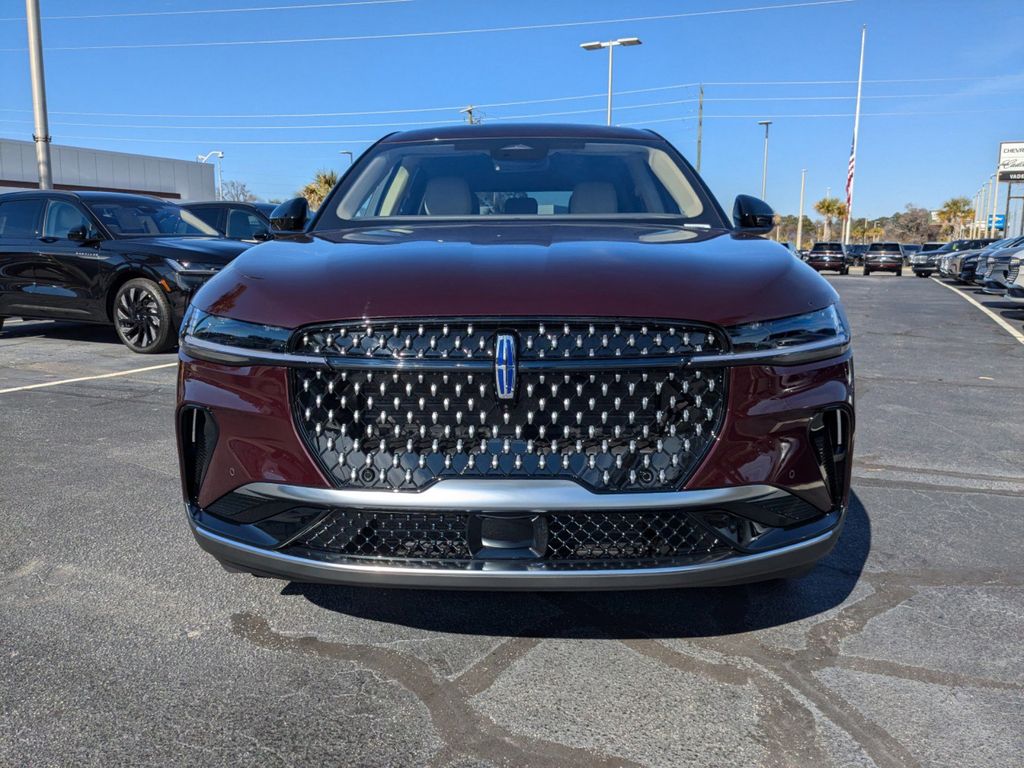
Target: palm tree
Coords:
[(954, 213), (321, 185), (831, 208)]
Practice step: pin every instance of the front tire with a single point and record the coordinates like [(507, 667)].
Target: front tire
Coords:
[(142, 317)]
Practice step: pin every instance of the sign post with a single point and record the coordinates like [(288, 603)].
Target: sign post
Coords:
[(1011, 170)]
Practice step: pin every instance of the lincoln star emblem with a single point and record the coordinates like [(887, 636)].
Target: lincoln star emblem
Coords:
[(505, 366)]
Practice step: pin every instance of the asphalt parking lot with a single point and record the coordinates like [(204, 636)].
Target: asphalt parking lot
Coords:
[(123, 644)]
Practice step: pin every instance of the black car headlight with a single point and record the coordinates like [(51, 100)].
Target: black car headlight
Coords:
[(815, 335), (193, 268), (223, 339)]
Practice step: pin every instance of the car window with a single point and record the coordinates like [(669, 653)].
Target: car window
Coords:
[(243, 225), (20, 218), (61, 218), (149, 219), (512, 177), (209, 216)]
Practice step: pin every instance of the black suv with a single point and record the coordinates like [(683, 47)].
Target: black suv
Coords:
[(237, 220), (884, 257), (829, 256), (103, 257)]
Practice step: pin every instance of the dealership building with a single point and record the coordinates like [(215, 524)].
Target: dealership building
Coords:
[(75, 169)]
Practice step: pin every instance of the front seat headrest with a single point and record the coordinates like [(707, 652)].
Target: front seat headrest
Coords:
[(594, 197), (447, 196)]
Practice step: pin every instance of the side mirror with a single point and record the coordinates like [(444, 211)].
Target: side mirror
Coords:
[(262, 235), (291, 215), (82, 235), (752, 215)]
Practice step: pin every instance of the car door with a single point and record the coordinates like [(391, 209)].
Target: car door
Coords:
[(74, 272), (20, 223)]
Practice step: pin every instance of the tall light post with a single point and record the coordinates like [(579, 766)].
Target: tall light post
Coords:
[(994, 187), (347, 152), (800, 217), (610, 45), (764, 168), (41, 135), (220, 157)]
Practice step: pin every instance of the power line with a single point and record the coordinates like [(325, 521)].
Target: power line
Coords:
[(523, 102), (257, 9), (443, 33), (762, 116), (564, 113)]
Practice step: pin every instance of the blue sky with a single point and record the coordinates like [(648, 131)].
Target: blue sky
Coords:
[(921, 141)]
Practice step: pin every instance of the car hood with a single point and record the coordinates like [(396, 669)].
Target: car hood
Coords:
[(509, 270), (209, 250)]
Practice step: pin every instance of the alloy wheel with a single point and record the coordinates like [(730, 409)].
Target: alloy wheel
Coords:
[(138, 317)]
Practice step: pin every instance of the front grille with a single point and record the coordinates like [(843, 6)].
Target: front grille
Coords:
[(1012, 274), (572, 537), (475, 339), (629, 429)]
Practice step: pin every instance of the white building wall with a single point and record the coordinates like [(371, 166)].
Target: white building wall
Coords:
[(79, 168)]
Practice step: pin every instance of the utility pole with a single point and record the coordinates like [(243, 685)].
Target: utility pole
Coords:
[(800, 216), (468, 112), (700, 122), (41, 135), (856, 130)]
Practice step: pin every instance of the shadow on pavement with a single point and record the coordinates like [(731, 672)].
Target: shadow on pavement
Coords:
[(673, 613), (57, 329)]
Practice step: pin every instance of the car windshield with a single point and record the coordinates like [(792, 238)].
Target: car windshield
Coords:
[(883, 247), (518, 178), (149, 219)]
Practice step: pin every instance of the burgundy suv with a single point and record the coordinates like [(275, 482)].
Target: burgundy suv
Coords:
[(517, 357)]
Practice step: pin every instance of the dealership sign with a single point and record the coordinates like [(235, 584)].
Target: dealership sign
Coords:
[(1011, 161)]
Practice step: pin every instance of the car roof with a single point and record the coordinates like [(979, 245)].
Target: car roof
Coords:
[(521, 131), (89, 196)]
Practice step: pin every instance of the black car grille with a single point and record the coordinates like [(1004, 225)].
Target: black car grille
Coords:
[(634, 428), (571, 537)]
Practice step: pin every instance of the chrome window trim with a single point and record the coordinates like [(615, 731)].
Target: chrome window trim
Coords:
[(794, 355), (508, 495)]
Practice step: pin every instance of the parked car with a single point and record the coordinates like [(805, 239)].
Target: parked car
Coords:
[(829, 256), (995, 274), (236, 220), (949, 263), (924, 263), (102, 257), (502, 356), (1015, 280), (856, 252), (995, 258), (963, 264), (884, 257), (909, 250)]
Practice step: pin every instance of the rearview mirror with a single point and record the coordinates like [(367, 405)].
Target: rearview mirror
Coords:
[(291, 215), (752, 215)]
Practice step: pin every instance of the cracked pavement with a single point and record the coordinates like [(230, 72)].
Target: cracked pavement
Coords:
[(123, 644)]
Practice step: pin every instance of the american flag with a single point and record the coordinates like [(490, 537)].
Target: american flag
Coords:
[(849, 176)]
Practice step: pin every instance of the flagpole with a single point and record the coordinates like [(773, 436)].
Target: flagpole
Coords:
[(856, 130)]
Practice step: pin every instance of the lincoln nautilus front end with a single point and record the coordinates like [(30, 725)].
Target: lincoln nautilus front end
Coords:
[(517, 357)]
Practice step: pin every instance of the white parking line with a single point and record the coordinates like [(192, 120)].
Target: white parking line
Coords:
[(87, 378), (1000, 321)]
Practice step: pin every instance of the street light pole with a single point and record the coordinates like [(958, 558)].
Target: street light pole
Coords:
[(610, 45), (994, 184), (41, 135), (764, 168), (800, 217), (220, 157)]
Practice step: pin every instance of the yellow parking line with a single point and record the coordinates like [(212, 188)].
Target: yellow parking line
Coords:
[(1001, 322), (88, 378)]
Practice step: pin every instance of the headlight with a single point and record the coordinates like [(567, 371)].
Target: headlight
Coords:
[(801, 338), (189, 267), (1015, 263), (222, 339)]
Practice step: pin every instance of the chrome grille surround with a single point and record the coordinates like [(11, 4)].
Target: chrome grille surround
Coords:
[(643, 423)]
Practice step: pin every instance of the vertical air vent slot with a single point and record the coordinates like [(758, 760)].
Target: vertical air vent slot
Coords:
[(831, 434), (198, 434)]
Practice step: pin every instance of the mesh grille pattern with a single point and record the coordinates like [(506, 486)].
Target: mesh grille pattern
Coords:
[(1014, 271), (635, 429), (474, 339), (617, 537)]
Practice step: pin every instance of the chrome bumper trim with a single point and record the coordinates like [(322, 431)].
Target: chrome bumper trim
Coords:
[(508, 495), (738, 569)]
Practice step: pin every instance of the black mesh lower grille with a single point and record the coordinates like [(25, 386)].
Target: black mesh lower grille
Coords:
[(631, 538)]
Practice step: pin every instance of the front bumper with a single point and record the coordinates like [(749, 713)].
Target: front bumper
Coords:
[(1015, 293), (787, 548), (924, 268)]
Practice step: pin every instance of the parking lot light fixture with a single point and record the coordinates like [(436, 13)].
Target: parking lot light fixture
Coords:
[(764, 167), (610, 45), (220, 157)]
